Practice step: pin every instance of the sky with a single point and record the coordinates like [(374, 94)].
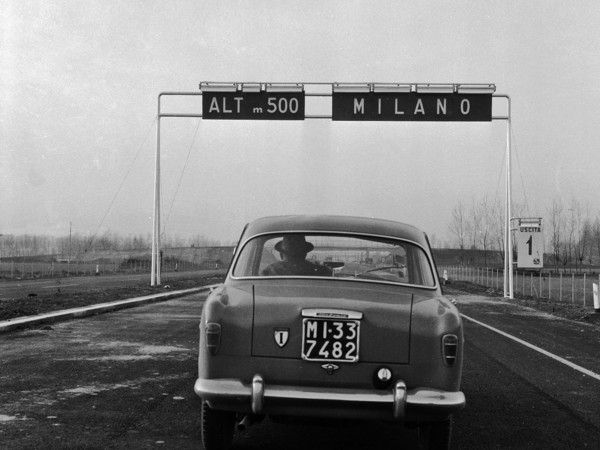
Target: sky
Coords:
[(79, 83)]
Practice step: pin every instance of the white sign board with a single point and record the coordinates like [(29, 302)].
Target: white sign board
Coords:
[(530, 247)]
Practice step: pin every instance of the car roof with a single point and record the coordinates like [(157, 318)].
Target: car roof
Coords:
[(331, 223)]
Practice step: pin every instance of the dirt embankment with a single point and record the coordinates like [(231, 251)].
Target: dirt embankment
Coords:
[(56, 301)]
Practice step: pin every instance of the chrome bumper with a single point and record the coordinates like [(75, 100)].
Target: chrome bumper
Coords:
[(397, 404)]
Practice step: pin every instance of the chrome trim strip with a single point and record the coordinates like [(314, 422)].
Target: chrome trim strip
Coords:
[(330, 313)]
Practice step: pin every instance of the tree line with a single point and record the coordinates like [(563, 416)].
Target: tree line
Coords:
[(572, 233), (74, 245)]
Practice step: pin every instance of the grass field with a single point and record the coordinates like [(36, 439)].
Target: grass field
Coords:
[(55, 301)]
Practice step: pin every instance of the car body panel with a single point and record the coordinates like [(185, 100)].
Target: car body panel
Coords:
[(387, 319), (252, 359)]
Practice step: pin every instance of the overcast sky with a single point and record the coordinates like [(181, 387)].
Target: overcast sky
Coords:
[(78, 100)]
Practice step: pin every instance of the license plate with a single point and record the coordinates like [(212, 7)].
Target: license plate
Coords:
[(330, 340)]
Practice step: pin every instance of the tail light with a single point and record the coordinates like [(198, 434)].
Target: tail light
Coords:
[(449, 348), (213, 337)]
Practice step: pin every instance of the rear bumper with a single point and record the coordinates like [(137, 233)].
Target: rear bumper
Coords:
[(395, 404)]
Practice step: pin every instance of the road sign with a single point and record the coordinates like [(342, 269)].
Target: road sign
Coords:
[(262, 105), (530, 245), (411, 106)]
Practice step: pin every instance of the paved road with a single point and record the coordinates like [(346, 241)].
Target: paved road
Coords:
[(125, 380)]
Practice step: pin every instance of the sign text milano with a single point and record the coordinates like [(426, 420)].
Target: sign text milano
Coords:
[(412, 106)]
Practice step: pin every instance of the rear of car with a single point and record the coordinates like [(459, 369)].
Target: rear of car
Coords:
[(360, 331)]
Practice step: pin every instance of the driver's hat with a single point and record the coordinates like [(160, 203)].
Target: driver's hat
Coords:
[(294, 244)]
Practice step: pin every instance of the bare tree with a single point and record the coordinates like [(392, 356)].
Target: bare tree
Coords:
[(595, 238), (556, 224), (497, 225), (474, 224), (486, 227), (580, 231), (458, 227)]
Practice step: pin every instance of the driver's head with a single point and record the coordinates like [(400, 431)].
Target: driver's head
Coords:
[(294, 245)]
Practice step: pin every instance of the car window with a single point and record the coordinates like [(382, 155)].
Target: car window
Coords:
[(337, 256)]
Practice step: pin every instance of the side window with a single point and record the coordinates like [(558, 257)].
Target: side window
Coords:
[(248, 262)]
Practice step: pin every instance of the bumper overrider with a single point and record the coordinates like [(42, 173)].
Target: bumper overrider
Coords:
[(395, 404)]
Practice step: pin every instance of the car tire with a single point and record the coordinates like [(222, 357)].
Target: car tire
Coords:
[(217, 428), (435, 435)]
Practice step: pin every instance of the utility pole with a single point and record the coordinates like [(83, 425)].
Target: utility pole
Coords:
[(69, 242)]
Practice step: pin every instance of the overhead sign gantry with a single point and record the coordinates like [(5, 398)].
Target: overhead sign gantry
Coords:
[(350, 102), (359, 102)]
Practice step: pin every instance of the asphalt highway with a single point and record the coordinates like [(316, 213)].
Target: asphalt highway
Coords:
[(125, 379)]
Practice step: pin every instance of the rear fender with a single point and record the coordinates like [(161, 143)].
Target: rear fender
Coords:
[(432, 318), (232, 309)]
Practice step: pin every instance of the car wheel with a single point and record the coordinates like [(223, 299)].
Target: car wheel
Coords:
[(217, 428), (435, 435)]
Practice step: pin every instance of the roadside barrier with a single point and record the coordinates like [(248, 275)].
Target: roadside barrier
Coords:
[(576, 288)]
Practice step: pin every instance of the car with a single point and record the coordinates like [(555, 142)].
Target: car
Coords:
[(330, 317)]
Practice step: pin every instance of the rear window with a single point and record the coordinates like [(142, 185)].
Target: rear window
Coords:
[(334, 256)]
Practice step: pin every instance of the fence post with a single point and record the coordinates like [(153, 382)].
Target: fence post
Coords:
[(549, 285), (560, 288), (531, 285), (584, 289), (572, 288)]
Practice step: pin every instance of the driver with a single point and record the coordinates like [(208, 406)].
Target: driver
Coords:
[(293, 249)]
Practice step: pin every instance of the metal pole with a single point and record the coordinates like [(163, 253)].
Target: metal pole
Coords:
[(508, 250), (155, 268)]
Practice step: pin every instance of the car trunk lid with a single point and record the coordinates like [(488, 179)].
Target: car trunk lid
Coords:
[(383, 315)]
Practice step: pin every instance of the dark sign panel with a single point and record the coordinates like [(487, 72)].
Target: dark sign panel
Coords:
[(262, 105), (412, 106)]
